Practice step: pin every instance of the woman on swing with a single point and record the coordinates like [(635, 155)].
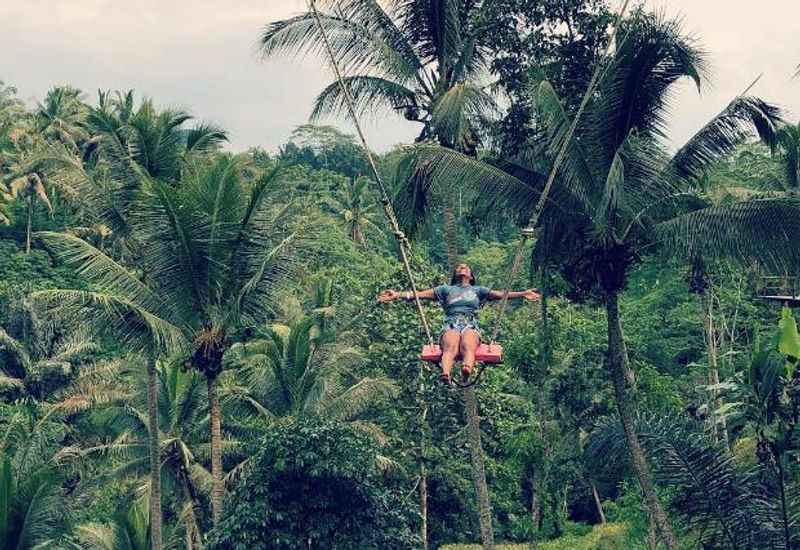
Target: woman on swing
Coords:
[(460, 301)]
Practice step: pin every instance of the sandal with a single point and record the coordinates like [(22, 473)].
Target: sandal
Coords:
[(446, 379)]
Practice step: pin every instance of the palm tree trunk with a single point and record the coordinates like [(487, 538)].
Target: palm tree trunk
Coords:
[(155, 454), (29, 225), (194, 539), (618, 362), (478, 469), (718, 424), (652, 534), (217, 481), (533, 543), (598, 503)]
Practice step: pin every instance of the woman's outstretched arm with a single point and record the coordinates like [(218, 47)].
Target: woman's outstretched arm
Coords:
[(529, 294), (389, 295)]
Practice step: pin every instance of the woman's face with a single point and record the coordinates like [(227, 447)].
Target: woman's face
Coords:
[(463, 270)]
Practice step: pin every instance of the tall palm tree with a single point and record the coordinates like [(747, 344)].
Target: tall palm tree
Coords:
[(183, 423), (620, 190), (30, 189), (211, 255), (423, 59)]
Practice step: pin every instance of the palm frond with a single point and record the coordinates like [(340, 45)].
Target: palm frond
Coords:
[(357, 398), (459, 111), (137, 326), (653, 54), (430, 172), (763, 230), (105, 273), (356, 48), (205, 137), (16, 349), (370, 95), (743, 117)]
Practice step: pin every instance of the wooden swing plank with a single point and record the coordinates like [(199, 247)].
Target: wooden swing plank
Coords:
[(486, 353)]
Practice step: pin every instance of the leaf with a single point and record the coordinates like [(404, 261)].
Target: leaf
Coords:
[(789, 340)]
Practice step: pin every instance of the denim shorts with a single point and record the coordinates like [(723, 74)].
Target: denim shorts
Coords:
[(460, 323)]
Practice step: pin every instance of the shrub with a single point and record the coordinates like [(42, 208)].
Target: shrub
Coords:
[(316, 484)]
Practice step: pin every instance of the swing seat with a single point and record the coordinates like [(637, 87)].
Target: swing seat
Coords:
[(491, 354)]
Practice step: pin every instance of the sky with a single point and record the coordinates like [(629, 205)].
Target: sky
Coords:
[(200, 55)]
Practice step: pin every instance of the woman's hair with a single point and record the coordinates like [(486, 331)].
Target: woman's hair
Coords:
[(455, 279)]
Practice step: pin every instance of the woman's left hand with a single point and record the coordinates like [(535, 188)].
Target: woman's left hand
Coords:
[(531, 295)]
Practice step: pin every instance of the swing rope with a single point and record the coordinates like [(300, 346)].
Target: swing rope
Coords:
[(528, 230), (388, 210), (533, 220)]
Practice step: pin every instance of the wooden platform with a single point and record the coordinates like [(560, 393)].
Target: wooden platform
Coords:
[(791, 301)]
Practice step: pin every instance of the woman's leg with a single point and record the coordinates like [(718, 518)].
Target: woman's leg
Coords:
[(469, 343), (450, 342)]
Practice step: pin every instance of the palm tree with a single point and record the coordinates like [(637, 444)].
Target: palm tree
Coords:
[(183, 422), (211, 255), (159, 141), (289, 372), (33, 511), (61, 117), (38, 358), (620, 191), (353, 206), (30, 188), (788, 142), (423, 59)]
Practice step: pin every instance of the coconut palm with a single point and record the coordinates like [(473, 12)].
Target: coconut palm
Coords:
[(61, 117), (288, 372), (183, 424), (159, 141), (353, 206), (423, 59), (38, 358), (619, 190), (211, 255)]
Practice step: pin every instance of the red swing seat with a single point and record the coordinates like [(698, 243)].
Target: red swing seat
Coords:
[(486, 353)]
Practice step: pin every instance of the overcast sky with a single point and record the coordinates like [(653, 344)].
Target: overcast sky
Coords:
[(200, 55)]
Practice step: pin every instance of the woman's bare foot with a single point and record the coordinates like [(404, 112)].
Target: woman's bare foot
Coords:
[(465, 372)]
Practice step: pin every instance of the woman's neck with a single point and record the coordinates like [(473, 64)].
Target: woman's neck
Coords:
[(464, 281)]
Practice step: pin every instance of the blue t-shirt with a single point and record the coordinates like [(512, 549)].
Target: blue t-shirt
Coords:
[(460, 300)]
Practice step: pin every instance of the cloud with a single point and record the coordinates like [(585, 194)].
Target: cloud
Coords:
[(200, 55)]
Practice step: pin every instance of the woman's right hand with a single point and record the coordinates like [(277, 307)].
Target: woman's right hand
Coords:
[(388, 295)]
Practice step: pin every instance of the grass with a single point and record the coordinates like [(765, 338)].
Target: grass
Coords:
[(610, 536)]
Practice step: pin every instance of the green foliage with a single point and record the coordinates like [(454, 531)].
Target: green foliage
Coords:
[(610, 536), (351, 505), (35, 270)]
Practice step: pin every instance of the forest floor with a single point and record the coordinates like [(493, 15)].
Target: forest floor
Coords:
[(610, 536)]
